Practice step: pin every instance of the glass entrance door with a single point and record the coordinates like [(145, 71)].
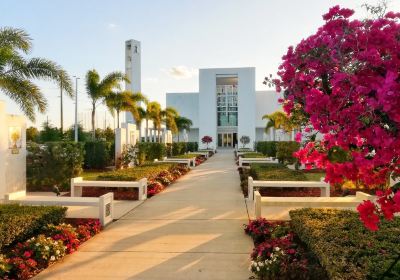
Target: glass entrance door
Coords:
[(227, 140)]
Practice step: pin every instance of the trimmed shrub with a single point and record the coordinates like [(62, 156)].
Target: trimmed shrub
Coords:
[(98, 154), (178, 148), (151, 151), (149, 170), (53, 163), (192, 147), (345, 248), (253, 155), (285, 150), (279, 172), (18, 223), (267, 148)]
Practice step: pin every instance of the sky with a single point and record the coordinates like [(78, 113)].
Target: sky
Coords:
[(178, 37)]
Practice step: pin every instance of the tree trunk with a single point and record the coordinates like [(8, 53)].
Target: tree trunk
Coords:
[(178, 136), (139, 127), (147, 130), (93, 120), (117, 118), (159, 135)]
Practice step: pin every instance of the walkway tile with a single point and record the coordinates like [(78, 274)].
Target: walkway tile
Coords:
[(193, 230)]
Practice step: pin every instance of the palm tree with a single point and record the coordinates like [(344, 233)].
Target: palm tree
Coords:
[(125, 101), (16, 72), (153, 112), (117, 102), (182, 123), (278, 120), (169, 115), (98, 90), (139, 117)]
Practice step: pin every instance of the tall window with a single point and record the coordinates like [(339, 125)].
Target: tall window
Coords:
[(227, 101)]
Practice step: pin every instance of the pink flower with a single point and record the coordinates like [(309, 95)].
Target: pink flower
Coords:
[(368, 215), (298, 137)]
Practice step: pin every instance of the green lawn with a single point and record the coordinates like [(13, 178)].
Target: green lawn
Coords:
[(278, 172)]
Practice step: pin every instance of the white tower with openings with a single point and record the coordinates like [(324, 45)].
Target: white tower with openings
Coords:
[(133, 70)]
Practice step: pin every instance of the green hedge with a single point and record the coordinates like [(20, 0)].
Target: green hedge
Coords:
[(267, 148), (150, 151), (285, 150), (279, 172), (148, 170), (18, 223), (192, 147), (178, 148), (98, 154), (253, 155), (345, 248), (53, 163)]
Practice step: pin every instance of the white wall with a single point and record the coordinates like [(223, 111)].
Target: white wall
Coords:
[(266, 103), (187, 105), (246, 102), (12, 166), (208, 105)]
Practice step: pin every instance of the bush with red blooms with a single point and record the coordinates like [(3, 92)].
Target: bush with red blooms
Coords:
[(154, 187), (206, 140), (344, 82), (28, 258), (277, 255), (66, 233)]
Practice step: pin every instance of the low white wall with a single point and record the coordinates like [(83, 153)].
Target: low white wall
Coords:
[(12, 161)]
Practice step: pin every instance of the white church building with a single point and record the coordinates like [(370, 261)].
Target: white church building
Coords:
[(227, 107)]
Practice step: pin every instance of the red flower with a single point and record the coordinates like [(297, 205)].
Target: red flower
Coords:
[(27, 254), (368, 215)]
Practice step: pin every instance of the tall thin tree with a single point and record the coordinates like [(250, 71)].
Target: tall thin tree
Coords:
[(98, 90)]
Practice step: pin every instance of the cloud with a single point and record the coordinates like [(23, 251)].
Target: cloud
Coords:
[(151, 80), (181, 72), (112, 26)]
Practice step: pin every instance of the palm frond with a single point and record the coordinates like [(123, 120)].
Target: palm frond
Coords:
[(15, 38), (26, 94)]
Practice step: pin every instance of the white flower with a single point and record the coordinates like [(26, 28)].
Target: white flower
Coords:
[(386, 126), (277, 249), (52, 258), (37, 244), (58, 252), (258, 269), (261, 264), (46, 248)]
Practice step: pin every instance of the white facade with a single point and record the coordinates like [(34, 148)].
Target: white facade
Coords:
[(227, 107), (12, 152)]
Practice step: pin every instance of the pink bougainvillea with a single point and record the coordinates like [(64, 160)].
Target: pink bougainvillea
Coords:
[(343, 83)]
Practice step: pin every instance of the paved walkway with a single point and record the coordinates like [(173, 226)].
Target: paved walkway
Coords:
[(193, 230)]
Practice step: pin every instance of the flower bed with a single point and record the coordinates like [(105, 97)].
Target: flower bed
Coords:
[(279, 254), (28, 258), (345, 248)]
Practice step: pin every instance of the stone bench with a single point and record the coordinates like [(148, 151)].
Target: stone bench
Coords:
[(104, 203), (255, 160), (308, 202), (77, 184), (252, 184), (188, 161)]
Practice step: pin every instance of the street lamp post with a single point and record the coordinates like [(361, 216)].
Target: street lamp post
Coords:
[(76, 108)]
